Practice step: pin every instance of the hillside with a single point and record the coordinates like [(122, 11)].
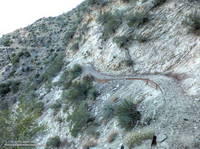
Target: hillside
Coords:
[(110, 74)]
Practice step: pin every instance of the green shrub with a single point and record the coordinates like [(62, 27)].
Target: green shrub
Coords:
[(110, 23), (127, 114), (78, 119), (122, 41), (54, 67), (79, 91), (136, 19), (193, 20), (53, 142)]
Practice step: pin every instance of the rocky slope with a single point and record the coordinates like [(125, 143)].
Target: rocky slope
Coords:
[(110, 74)]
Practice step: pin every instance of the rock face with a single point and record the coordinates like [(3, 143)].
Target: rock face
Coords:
[(155, 65)]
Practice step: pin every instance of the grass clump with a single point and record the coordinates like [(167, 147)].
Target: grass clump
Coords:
[(53, 142), (78, 119), (127, 114), (110, 23), (136, 19), (137, 137), (193, 21)]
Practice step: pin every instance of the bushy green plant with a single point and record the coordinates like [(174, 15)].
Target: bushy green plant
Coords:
[(53, 142), (127, 114), (193, 20), (79, 90), (136, 19), (54, 67), (78, 119), (110, 23)]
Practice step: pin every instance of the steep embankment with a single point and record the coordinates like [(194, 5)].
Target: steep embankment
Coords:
[(108, 74)]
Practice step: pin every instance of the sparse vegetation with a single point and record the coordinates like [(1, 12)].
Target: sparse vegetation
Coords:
[(53, 142), (127, 114), (193, 20), (110, 23), (78, 119), (137, 137)]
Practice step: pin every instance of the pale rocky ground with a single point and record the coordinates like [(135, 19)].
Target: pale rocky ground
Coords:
[(173, 113)]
